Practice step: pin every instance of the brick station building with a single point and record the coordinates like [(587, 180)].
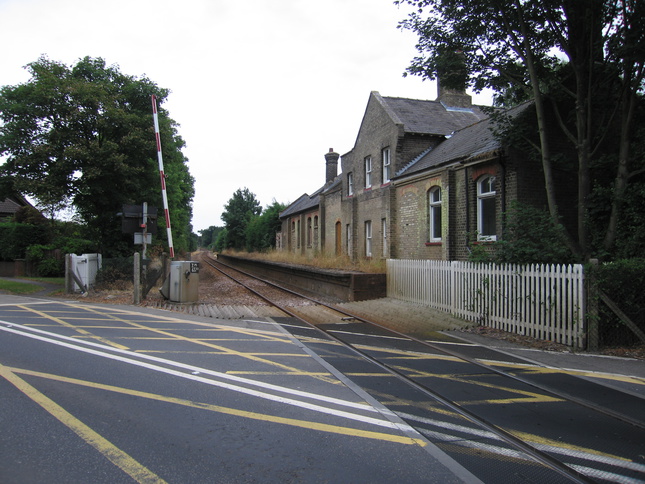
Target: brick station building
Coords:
[(424, 180)]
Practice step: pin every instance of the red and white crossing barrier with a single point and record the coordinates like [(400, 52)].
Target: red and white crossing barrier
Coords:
[(163, 176)]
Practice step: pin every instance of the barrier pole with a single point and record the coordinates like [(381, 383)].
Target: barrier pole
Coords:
[(162, 176)]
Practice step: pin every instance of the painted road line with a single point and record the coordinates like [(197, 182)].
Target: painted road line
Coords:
[(224, 349), (69, 325), (551, 446), (196, 378), (335, 429), (199, 370), (115, 455)]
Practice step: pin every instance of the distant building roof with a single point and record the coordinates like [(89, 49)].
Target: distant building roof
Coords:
[(308, 202), (304, 203)]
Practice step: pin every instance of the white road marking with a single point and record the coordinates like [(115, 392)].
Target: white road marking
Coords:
[(104, 351)]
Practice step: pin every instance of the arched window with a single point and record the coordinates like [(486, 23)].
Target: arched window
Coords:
[(434, 214), (486, 208)]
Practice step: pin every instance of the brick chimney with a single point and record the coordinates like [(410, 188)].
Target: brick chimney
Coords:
[(452, 98), (331, 163), (453, 73)]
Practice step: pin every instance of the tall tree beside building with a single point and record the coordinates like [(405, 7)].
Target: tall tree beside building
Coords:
[(262, 229), (238, 213), (582, 59), (83, 136)]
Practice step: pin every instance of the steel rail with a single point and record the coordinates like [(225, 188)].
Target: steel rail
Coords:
[(537, 455), (549, 390)]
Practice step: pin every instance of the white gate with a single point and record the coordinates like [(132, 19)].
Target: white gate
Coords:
[(85, 267)]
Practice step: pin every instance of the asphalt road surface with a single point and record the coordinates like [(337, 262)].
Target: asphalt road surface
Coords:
[(106, 395)]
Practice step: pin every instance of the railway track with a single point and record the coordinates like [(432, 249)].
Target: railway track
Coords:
[(488, 410)]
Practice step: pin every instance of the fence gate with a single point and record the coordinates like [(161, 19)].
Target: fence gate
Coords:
[(85, 267)]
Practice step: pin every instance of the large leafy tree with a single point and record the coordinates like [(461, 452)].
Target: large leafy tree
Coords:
[(582, 60), (83, 135), (238, 213), (261, 231)]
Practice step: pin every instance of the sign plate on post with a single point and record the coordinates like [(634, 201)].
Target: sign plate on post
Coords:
[(138, 238)]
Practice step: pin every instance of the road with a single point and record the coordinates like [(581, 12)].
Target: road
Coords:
[(108, 395)]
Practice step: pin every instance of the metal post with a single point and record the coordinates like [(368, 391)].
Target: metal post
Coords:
[(144, 271)]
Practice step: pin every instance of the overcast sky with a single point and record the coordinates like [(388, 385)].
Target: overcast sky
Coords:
[(261, 89)]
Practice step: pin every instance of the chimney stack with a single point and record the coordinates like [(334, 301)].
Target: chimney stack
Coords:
[(452, 98), (331, 163), (453, 75)]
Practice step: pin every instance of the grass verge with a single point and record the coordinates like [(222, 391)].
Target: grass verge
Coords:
[(15, 287)]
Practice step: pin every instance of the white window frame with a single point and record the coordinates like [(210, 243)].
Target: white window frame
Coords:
[(434, 213), (384, 236), (348, 235), (368, 172), (386, 165), (350, 184), (485, 194), (368, 238)]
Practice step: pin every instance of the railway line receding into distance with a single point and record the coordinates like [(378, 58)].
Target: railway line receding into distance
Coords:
[(487, 409)]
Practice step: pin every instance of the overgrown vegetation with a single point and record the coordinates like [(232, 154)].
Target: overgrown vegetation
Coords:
[(342, 262), (623, 282), (530, 237)]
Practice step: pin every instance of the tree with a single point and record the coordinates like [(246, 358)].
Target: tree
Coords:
[(209, 236), (238, 213), (83, 135), (584, 59), (261, 230)]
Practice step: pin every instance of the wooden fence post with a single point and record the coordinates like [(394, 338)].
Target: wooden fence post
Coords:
[(69, 285), (137, 278)]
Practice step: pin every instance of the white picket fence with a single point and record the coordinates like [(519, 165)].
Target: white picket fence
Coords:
[(541, 301)]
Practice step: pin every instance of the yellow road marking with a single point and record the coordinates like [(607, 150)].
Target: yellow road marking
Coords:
[(398, 354), (562, 445), (115, 455), (223, 349), (86, 334), (231, 411)]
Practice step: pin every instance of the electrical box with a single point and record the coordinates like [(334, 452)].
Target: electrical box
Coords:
[(182, 284)]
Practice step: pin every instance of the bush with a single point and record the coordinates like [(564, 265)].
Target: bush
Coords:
[(51, 267), (531, 238), (15, 238), (622, 281), (43, 259)]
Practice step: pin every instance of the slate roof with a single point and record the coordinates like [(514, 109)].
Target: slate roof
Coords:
[(304, 203), (431, 117), (10, 205), (467, 144)]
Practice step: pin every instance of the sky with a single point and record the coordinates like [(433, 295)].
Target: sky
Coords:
[(261, 89)]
